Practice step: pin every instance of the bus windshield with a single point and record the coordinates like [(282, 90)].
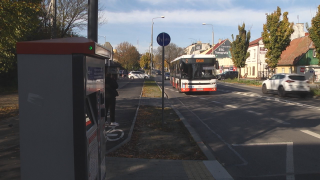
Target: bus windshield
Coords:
[(199, 71)]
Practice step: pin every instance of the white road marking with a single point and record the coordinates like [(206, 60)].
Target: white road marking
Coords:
[(279, 121), (229, 146), (232, 106), (257, 113), (216, 101), (289, 156), (311, 133)]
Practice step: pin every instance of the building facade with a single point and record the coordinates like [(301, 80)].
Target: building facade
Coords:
[(197, 48), (255, 64), (300, 58)]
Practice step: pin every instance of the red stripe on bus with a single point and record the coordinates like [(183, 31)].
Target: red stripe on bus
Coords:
[(195, 89)]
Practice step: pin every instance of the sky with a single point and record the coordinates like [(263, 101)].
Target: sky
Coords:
[(131, 20)]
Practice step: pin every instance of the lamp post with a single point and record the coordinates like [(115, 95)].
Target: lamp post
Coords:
[(212, 35), (152, 43)]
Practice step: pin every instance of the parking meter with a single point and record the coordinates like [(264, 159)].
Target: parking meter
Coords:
[(61, 109)]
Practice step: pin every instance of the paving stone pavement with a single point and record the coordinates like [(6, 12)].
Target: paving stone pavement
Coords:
[(156, 169)]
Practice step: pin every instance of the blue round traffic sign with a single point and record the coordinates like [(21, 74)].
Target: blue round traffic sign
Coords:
[(163, 39)]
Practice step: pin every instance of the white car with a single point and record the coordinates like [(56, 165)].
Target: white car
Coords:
[(138, 75), (286, 84)]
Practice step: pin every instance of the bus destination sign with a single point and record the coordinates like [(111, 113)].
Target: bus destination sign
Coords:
[(199, 60)]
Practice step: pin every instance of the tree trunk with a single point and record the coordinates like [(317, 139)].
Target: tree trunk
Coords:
[(239, 73)]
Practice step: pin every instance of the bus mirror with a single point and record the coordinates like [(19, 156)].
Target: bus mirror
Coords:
[(217, 65)]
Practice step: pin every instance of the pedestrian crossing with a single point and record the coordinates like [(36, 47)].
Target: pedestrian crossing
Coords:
[(250, 94)]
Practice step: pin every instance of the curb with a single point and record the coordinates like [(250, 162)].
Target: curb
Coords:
[(213, 166)]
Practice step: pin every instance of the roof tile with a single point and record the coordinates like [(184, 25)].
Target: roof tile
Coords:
[(297, 48)]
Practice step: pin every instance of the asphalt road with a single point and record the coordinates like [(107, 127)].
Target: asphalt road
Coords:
[(253, 135)]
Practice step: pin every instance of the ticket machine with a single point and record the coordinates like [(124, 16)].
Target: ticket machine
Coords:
[(61, 109)]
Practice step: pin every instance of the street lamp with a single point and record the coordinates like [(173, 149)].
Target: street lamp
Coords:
[(212, 35), (152, 42)]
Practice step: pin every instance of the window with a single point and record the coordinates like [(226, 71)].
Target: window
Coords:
[(253, 71), (273, 77), (254, 55), (282, 70)]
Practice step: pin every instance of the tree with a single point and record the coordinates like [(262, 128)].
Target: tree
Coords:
[(128, 56), (18, 20), (239, 48), (171, 52), (71, 14), (276, 36), (314, 32), (145, 61)]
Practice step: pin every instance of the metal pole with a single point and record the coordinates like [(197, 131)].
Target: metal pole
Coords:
[(151, 48), (55, 20), (212, 39), (162, 83), (93, 20)]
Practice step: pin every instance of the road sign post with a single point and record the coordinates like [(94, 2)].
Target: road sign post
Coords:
[(163, 40)]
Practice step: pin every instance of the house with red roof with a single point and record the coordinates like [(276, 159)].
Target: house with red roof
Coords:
[(300, 57)]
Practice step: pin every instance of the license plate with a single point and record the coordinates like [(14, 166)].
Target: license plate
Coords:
[(199, 89)]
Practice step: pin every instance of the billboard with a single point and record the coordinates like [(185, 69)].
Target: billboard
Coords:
[(223, 51)]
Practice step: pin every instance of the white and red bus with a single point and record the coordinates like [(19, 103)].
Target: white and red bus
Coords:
[(194, 73)]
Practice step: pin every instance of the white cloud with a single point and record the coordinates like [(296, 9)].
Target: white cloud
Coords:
[(224, 17), (228, 17)]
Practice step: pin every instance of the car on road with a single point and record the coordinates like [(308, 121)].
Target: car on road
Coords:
[(167, 75), (156, 72), (138, 75), (228, 75), (284, 84)]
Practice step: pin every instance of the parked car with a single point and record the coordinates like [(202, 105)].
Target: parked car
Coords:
[(156, 72), (228, 75), (138, 75), (284, 84), (167, 75)]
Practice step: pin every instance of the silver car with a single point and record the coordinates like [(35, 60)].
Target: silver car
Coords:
[(284, 84), (138, 75)]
